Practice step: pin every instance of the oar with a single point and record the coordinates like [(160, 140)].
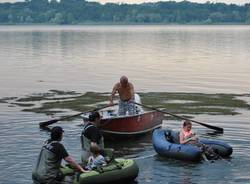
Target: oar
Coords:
[(46, 123), (180, 117)]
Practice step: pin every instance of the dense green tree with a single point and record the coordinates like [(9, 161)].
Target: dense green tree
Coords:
[(248, 16), (81, 11)]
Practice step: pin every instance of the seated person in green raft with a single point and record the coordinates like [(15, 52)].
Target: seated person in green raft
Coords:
[(96, 159)]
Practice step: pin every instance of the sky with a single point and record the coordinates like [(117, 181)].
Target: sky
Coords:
[(240, 2)]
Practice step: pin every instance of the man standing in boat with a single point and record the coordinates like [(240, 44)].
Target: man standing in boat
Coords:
[(47, 168), (91, 135), (125, 90)]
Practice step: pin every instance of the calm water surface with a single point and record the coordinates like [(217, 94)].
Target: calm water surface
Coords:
[(208, 59), (205, 59)]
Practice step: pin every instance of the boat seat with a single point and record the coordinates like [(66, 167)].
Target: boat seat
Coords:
[(172, 136)]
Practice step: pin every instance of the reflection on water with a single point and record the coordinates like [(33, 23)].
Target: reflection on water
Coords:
[(135, 147), (206, 59)]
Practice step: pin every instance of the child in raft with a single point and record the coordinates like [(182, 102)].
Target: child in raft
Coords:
[(96, 159), (188, 137)]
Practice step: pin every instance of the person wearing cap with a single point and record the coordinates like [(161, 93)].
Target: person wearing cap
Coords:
[(46, 170), (125, 90), (91, 135)]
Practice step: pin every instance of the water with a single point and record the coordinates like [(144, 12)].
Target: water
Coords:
[(208, 59)]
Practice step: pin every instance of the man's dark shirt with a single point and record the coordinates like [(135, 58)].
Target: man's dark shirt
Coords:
[(58, 149), (92, 133)]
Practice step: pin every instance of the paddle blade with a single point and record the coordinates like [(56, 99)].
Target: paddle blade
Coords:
[(46, 123), (217, 129)]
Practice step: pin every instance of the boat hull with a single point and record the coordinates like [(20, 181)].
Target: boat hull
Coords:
[(169, 149), (127, 171), (132, 125)]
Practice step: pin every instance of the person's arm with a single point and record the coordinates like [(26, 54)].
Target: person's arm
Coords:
[(132, 91), (181, 138), (90, 159), (73, 163), (192, 138), (115, 88)]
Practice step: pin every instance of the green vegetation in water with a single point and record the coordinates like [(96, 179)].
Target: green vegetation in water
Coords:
[(6, 99), (78, 103), (224, 104), (23, 104), (51, 95), (179, 103)]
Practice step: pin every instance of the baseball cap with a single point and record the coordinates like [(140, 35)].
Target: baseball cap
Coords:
[(56, 132)]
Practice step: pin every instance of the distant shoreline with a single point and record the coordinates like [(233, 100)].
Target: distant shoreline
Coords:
[(76, 12), (124, 24)]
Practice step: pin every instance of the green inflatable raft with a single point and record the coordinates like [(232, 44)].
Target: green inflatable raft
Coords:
[(118, 170)]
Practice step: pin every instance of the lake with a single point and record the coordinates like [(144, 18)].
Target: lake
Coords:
[(208, 59), (202, 59)]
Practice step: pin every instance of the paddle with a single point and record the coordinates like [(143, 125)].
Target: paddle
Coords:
[(165, 112), (46, 123)]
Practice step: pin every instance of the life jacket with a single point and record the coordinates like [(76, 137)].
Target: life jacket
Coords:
[(47, 167), (87, 142)]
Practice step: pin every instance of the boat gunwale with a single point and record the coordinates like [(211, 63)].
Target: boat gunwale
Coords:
[(130, 116)]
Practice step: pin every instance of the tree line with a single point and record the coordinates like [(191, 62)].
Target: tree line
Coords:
[(81, 12)]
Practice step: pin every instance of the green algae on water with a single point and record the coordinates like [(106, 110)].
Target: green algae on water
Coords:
[(178, 103)]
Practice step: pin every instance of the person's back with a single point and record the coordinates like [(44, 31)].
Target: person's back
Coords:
[(49, 161), (47, 168)]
